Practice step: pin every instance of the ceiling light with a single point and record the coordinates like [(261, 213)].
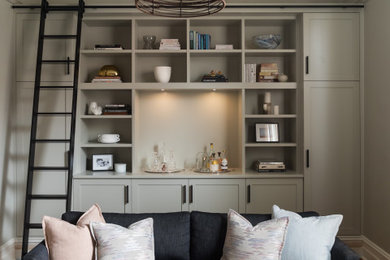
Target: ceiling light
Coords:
[(180, 8)]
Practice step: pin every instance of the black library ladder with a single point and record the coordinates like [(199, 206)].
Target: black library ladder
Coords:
[(45, 9)]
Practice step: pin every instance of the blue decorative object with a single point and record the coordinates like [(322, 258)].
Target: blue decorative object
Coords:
[(267, 41)]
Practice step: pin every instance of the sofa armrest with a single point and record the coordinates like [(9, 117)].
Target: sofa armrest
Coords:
[(38, 253), (341, 251)]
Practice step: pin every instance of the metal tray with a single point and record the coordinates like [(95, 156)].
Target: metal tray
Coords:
[(162, 172)]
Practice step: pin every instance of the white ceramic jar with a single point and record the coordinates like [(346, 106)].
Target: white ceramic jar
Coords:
[(162, 74)]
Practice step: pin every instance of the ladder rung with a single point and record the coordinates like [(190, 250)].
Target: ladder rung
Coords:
[(54, 113), (51, 140), (58, 61), (49, 168), (63, 8), (34, 225), (48, 197), (60, 36), (57, 87)]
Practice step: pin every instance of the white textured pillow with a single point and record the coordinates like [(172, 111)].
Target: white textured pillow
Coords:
[(116, 242), (308, 238), (243, 241)]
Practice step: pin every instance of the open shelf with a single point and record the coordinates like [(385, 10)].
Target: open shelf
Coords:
[(100, 145), (270, 145), (105, 117), (261, 116)]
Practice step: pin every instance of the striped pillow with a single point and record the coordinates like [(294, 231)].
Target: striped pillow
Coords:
[(264, 241), (116, 242)]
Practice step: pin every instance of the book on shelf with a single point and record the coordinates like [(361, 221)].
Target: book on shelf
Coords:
[(170, 44), (108, 47), (268, 72), (199, 41), (117, 109), (224, 46), (99, 79)]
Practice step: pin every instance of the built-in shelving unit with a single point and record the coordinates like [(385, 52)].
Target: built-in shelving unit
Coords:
[(186, 113)]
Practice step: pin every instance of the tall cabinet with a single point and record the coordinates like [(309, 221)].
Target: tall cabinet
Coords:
[(332, 116)]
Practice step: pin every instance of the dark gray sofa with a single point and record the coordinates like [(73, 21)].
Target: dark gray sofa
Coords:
[(184, 235)]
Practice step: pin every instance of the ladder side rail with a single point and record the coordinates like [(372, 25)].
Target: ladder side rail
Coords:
[(31, 159), (74, 105)]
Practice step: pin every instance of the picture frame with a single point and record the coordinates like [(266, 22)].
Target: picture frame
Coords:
[(102, 162), (267, 133)]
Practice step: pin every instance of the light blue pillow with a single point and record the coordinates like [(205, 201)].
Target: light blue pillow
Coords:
[(308, 238)]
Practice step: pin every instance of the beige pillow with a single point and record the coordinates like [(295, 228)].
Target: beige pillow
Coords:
[(66, 241)]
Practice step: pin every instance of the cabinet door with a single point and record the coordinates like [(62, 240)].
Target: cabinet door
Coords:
[(332, 136), (217, 195), (262, 194), (111, 195), (159, 195), (331, 46), (27, 32)]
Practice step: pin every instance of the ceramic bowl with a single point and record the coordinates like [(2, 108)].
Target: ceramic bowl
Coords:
[(162, 74), (267, 41), (108, 138)]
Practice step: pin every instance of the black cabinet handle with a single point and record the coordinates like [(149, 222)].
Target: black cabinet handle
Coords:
[(307, 64), (249, 194), (191, 194), (126, 194), (307, 158), (184, 194), (67, 66)]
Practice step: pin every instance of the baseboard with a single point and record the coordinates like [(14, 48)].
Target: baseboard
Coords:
[(367, 249), (7, 250)]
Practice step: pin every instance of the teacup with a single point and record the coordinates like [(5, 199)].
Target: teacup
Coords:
[(108, 138)]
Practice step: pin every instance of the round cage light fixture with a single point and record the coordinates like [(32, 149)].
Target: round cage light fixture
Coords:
[(180, 8)]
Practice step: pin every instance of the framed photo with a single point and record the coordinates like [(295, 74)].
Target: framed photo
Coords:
[(102, 162), (267, 133)]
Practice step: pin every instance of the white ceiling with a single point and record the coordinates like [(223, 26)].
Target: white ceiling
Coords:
[(131, 2)]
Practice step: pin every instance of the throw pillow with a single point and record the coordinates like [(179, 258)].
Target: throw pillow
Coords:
[(308, 238), (116, 242), (66, 241), (243, 241)]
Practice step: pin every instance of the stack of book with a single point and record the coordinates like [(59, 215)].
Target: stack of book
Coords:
[(117, 109), (268, 72), (170, 44), (108, 47), (250, 73), (107, 79), (199, 41)]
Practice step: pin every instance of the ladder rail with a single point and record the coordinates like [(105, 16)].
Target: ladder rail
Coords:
[(34, 120)]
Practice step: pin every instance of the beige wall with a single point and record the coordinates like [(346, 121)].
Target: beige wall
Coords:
[(7, 156), (377, 123)]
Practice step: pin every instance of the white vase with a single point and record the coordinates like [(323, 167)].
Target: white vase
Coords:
[(162, 74)]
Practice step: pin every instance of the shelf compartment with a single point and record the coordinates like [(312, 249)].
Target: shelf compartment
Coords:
[(105, 52), (271, 85), (286, 62), (221, 31), (285, 99), (91, 129), (270, 145), (287, 130), (285, 154), (91, 64), (162, 29), (114, 97), (215, 51), (203, 63), (273, 175), (120, 154), (187, 121), (199, 86), (96, 31), (285, 27), (272, 52), (147, 61), (105, 86), (159, 51)]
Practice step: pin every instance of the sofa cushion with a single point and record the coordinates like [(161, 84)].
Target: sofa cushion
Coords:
[(208, 231), (171, 231)]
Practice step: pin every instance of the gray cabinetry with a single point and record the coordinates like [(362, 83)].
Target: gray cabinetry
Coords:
[(112, 195), (332, 127), (263, 193)]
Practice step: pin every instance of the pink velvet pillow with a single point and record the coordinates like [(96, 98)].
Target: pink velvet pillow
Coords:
[(66, 241)]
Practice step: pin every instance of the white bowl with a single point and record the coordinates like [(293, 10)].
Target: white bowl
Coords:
[(162, 74), (108, 138)]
